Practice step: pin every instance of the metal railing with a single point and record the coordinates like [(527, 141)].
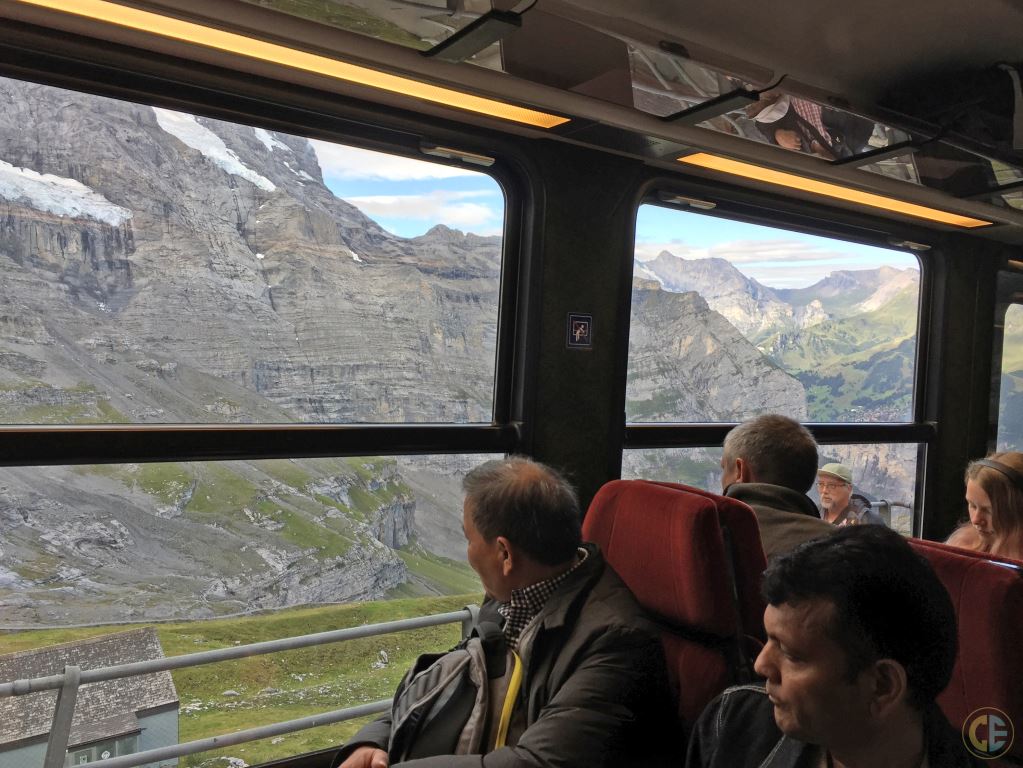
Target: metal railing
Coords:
[(68, 683)]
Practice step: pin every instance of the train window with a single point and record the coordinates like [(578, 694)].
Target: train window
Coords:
[(1009, 370), (731, 320), (213, 554), (1010, 404), (165, 267), (885, 474)]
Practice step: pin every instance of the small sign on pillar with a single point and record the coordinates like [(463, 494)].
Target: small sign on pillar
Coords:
[(580, 331)]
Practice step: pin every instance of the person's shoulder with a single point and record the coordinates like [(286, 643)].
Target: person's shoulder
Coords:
[(745, 698), (610, 596), (964, 536), (741, 709)]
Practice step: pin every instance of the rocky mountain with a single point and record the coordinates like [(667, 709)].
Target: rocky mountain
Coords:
[(165, 268), (849, 340), (752, 308), (688, 363)]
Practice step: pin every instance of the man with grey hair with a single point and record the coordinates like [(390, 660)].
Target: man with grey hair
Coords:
[(770, 462), (595, 690)]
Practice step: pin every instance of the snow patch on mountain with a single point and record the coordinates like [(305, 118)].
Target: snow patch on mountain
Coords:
[(200, 138), (270, 141), (58, 195)]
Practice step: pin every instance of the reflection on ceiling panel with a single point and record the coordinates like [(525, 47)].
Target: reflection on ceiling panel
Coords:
[(525, 40)]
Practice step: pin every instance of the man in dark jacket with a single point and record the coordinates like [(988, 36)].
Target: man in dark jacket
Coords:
[(861, 638), (594, 691), (770, 462)]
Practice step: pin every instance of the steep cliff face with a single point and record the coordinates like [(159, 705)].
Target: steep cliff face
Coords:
[(233, 260), (129, 542), (161, 267), (754, 309), (687, 363)]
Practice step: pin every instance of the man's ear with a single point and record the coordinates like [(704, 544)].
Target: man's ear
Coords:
[(742, 471), (506, 554), (890, 687)]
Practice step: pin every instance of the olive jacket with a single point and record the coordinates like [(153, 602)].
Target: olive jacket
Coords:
[(595, 691), (786, 517)]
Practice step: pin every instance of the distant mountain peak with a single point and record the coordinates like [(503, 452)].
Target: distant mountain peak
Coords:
[(443, 233)]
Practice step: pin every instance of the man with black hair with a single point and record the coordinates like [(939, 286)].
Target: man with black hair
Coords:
[(595, 689), (861, 638), (770, 462)]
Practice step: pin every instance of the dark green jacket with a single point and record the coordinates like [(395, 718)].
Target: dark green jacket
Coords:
[(595, 693)]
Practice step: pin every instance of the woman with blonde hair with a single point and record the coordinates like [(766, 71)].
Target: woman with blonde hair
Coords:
[(994, 497)]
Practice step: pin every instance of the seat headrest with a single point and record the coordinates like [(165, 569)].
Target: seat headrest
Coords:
[(987, 594), (667, 547)]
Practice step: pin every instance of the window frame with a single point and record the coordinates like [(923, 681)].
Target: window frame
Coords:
[(809, 217), (87, 66)]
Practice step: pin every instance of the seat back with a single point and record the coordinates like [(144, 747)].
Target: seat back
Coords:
[(987, 594), (739, 524), (668, 546)]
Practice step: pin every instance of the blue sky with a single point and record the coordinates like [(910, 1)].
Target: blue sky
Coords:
[(774, 257), (408, 196)]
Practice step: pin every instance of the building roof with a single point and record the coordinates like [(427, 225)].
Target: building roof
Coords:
[(104, 710)]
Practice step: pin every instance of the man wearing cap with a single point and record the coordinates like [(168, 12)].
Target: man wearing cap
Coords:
[(835, 486)]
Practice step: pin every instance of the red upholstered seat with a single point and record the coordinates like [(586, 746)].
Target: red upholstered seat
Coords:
[(740, 524), (667, 543), (988, 597)]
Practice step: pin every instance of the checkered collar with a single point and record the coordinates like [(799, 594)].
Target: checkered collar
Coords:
[(525, 603)]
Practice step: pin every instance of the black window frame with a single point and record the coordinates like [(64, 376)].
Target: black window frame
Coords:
[(772, 210), (89, 66)]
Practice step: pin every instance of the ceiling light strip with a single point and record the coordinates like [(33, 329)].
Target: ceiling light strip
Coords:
[(826, 189), (232, 42)]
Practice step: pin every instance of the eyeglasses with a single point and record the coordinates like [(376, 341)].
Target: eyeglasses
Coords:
[(830, 486)]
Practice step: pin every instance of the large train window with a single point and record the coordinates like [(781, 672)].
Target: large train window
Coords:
[(164, 267), (1009, 363), (731, 320)]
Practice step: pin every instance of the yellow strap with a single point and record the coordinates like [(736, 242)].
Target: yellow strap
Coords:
[(509, 702)]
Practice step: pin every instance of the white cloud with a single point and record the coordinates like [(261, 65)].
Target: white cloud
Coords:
[(438, 206), (350, 163)]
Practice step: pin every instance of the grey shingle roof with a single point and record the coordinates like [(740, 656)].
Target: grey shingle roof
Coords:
[(108, 728), (101, 706)]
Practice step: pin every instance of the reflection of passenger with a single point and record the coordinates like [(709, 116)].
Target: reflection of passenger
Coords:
[(769, 463), (835, 486), (594, 693), (994, 497), (861, 638), (805, 126)]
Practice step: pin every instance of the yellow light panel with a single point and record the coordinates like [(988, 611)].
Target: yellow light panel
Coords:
[(190, 32), (826, 189)]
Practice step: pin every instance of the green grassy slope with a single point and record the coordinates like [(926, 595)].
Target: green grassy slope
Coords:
[(282, 686), (856, 364)]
